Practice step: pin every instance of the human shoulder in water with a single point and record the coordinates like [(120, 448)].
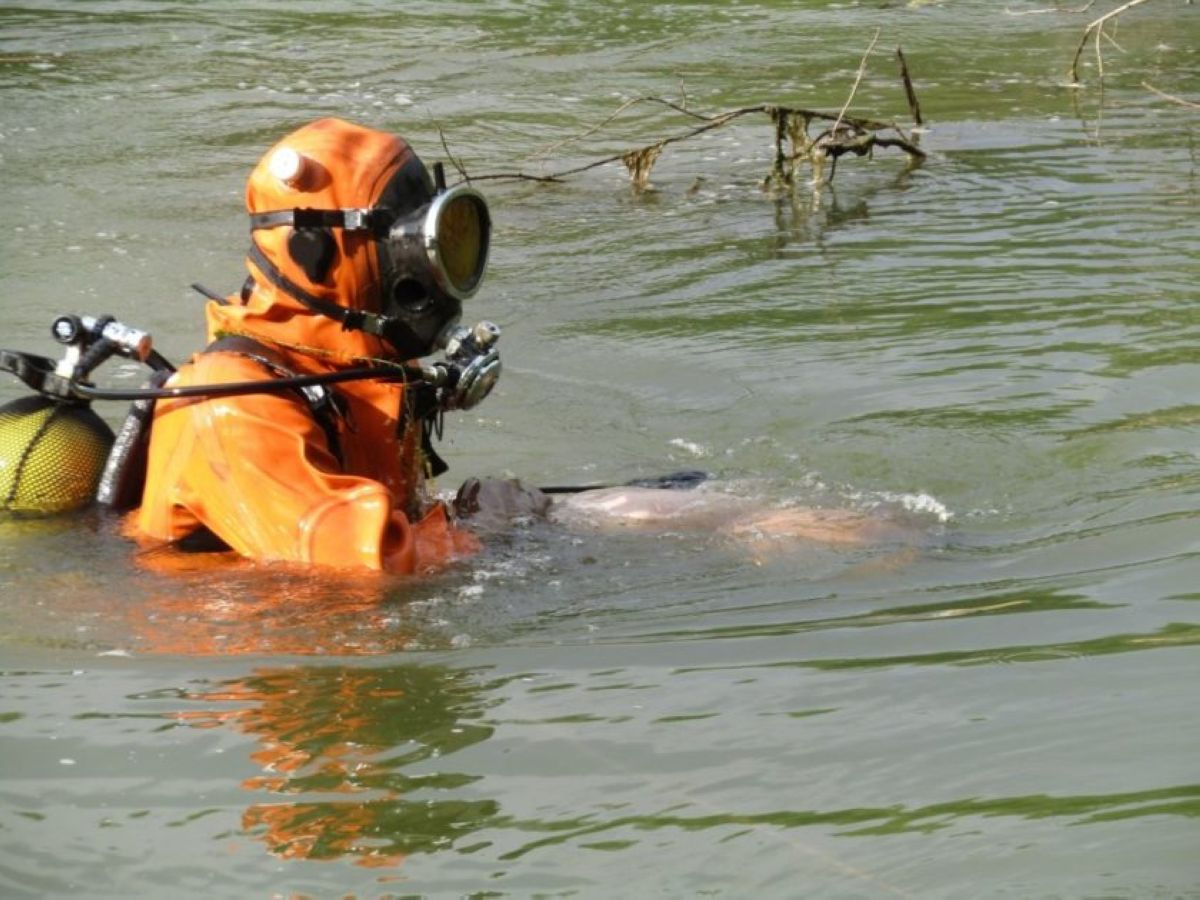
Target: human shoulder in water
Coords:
[(679, 503)]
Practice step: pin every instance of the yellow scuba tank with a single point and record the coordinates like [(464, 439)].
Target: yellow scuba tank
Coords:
[(51, 454), (53, 447)]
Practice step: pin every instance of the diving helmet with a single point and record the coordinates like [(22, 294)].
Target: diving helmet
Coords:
[(348, 221)]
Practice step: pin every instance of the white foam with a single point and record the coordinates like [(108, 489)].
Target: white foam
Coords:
[(691, 447), (921, 504)]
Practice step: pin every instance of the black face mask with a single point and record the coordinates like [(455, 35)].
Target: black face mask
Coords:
[(416, 320), (432, 259)]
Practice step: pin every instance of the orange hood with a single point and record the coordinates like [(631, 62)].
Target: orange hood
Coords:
[(346, 166)]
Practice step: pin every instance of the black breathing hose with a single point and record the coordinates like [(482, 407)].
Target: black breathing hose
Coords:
[(234, 388), (39, 373)]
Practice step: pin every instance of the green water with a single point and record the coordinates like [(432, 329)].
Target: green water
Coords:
[(997, 349)]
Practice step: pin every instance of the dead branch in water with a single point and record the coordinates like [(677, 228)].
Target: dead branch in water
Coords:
[(862, 70), (681, 108), (791, 127), (639, 163), (910, 95), (457, 163), (1096, 27), (1171, 97), (1050, 9), (793, 143)]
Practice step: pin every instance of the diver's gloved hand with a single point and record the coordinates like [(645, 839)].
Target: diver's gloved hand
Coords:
[(493, 503)]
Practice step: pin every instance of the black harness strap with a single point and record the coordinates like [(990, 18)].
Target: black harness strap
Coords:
[(322, 402), (420, 404), (124, 476)]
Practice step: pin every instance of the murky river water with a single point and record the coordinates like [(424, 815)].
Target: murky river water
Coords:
[(998, 349)]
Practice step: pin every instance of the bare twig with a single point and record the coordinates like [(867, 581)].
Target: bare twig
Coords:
[(1171, 97), (862, 144), (913, 106), (1112, 40), (613, 115), (1097, 26), (525, 176), (862, 68), (458, 166), (1053, 9)]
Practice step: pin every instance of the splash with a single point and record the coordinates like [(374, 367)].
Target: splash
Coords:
[(696, 450), (919, 504)]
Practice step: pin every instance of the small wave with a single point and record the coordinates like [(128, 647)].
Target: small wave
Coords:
[(918, 504), (697, 450)]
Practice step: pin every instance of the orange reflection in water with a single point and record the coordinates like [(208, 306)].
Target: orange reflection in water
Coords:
[(222, 604), (326, 732), (334, 743)]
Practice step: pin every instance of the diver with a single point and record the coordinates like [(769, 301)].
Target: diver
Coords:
[(303, 432), (358, 258)]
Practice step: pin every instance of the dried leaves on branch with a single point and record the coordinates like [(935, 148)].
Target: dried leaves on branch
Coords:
[(802, 137)]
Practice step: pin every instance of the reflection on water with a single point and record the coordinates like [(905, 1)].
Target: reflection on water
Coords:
[(999, 604), (110, 596), (1183, 800), (348, 733), (1175, 635), (356, 763)]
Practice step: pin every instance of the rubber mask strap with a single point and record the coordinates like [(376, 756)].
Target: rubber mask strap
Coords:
[(351, 319), (374, 219)]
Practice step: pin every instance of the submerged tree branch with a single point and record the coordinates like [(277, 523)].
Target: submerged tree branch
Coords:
[(862, 70), (914, 108), (791, 127), (1171, 97), (617, 112), (1096, 27), (847, 135)]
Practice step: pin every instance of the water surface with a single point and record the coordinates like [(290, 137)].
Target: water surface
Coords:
[(996, 348)]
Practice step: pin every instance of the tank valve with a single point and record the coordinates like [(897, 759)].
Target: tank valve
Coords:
[(90, 341)]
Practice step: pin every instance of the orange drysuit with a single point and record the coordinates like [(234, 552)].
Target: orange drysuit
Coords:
[(259, 470)]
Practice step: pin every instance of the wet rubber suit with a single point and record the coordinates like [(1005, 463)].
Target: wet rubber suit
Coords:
[(266, 474)]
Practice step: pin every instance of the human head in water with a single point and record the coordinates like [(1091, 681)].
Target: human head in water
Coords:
[(347, 222)]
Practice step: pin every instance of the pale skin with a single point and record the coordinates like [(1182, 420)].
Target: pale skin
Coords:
[(654, 509), (491, 504)]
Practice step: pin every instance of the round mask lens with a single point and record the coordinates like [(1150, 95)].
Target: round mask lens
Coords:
[(461, 231)]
